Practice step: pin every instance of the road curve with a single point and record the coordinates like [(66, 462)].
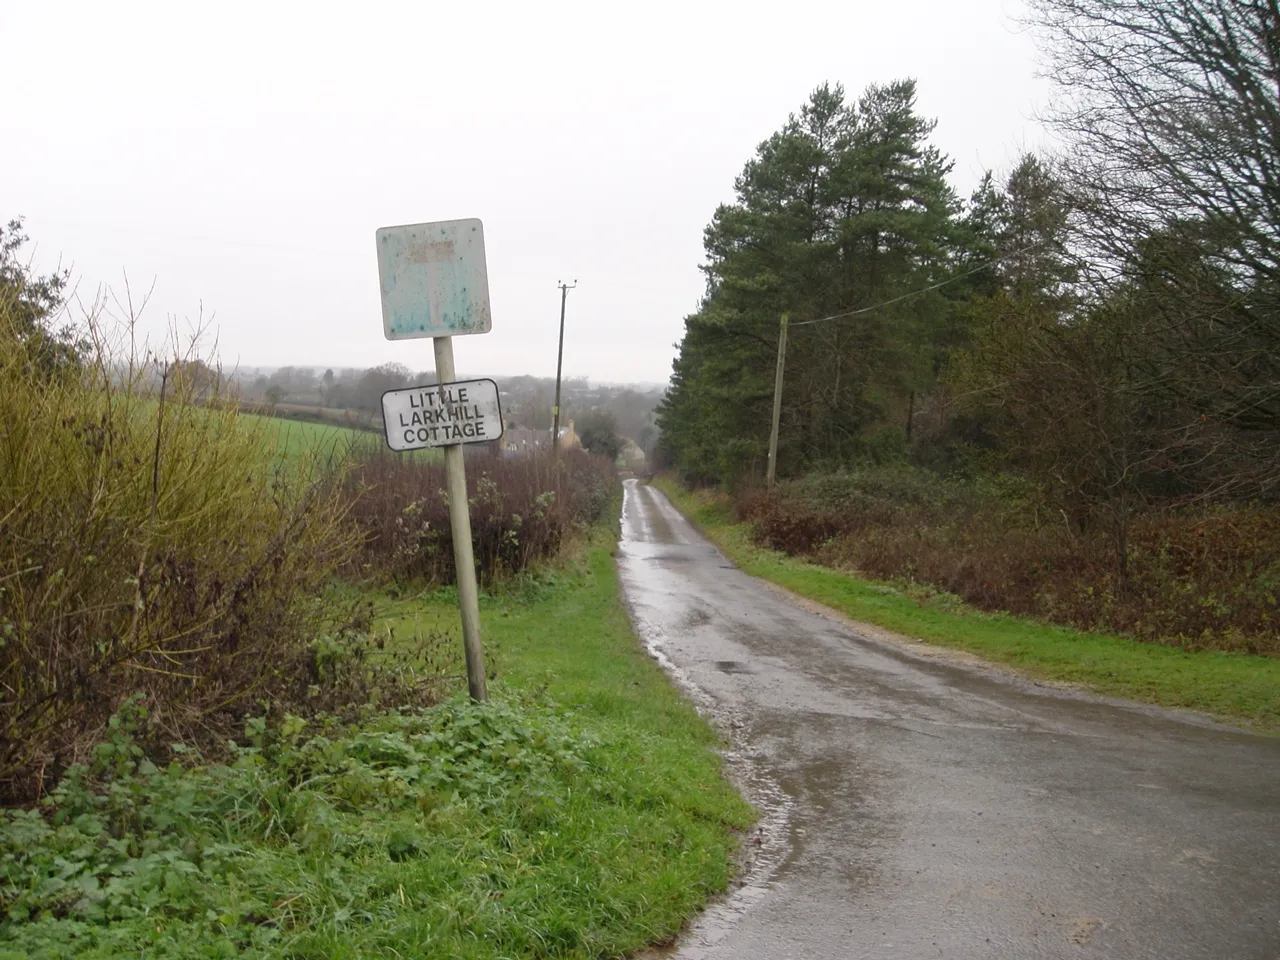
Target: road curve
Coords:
[(917, 806)]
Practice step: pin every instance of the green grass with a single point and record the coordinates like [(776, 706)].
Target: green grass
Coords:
[(1239, 688), (296, 438), (581, 814), (643, 857)]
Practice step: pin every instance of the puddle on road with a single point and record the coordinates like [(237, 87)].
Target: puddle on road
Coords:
[(766, 846)]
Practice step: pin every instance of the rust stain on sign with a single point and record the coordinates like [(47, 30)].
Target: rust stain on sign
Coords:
[(427, 252)]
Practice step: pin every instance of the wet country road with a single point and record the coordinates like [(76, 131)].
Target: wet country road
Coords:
[(916, 806)]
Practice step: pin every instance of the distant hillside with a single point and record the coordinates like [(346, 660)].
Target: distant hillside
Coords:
[(352, 397)]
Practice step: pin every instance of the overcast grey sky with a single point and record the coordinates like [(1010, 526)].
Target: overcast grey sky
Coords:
[(242, 154)]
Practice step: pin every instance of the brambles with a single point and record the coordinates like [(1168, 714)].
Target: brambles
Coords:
[(1198, 579), (154, 540), (522, 510)]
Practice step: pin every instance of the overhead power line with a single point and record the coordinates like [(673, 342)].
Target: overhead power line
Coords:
[(928, 289), (771, 469)]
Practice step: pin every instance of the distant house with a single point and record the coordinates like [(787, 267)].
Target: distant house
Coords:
[(569, 439), (519, 441), (632, 456)]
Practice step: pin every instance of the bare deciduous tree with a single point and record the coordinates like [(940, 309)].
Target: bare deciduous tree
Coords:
[(1171, 111)]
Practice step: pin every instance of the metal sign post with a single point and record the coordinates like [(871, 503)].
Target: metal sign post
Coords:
[(435, 284), (460, 523)]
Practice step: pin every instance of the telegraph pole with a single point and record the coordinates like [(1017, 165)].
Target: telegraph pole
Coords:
[(772, 469), (555, 411)]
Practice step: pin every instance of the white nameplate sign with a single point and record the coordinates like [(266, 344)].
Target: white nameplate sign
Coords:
[(442, 414)]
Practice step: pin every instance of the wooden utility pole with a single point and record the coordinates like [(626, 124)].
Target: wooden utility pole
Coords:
[(460, 523), (772, 470), (555, 411)]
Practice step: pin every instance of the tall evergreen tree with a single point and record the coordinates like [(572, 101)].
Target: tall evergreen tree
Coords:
[(845, 207)]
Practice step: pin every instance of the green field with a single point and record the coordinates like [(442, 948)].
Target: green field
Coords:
[(296, 438), (1236, 687)]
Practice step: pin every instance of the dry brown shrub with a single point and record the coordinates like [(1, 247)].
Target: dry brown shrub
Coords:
[(151, 542), (522, 510), (1199, 579)]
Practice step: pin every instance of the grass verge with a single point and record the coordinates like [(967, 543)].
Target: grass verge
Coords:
[(1239, 688), (643, 849), (581, 814)]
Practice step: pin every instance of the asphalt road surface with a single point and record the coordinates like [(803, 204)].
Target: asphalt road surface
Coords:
[(917, 805)]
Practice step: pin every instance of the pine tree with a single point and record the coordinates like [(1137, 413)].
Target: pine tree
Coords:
[(843, 208)]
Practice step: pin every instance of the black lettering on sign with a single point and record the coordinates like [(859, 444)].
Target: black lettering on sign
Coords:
[(442, 415)]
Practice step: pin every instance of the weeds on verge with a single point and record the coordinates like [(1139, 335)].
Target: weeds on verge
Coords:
[(312, 832)]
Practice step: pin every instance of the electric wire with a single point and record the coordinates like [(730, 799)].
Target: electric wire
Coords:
[(915, 293)]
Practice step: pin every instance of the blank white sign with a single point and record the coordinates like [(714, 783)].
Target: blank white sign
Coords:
[(434, 280)]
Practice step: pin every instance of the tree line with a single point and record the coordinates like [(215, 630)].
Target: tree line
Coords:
[(1104, 318), (620, 410)]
